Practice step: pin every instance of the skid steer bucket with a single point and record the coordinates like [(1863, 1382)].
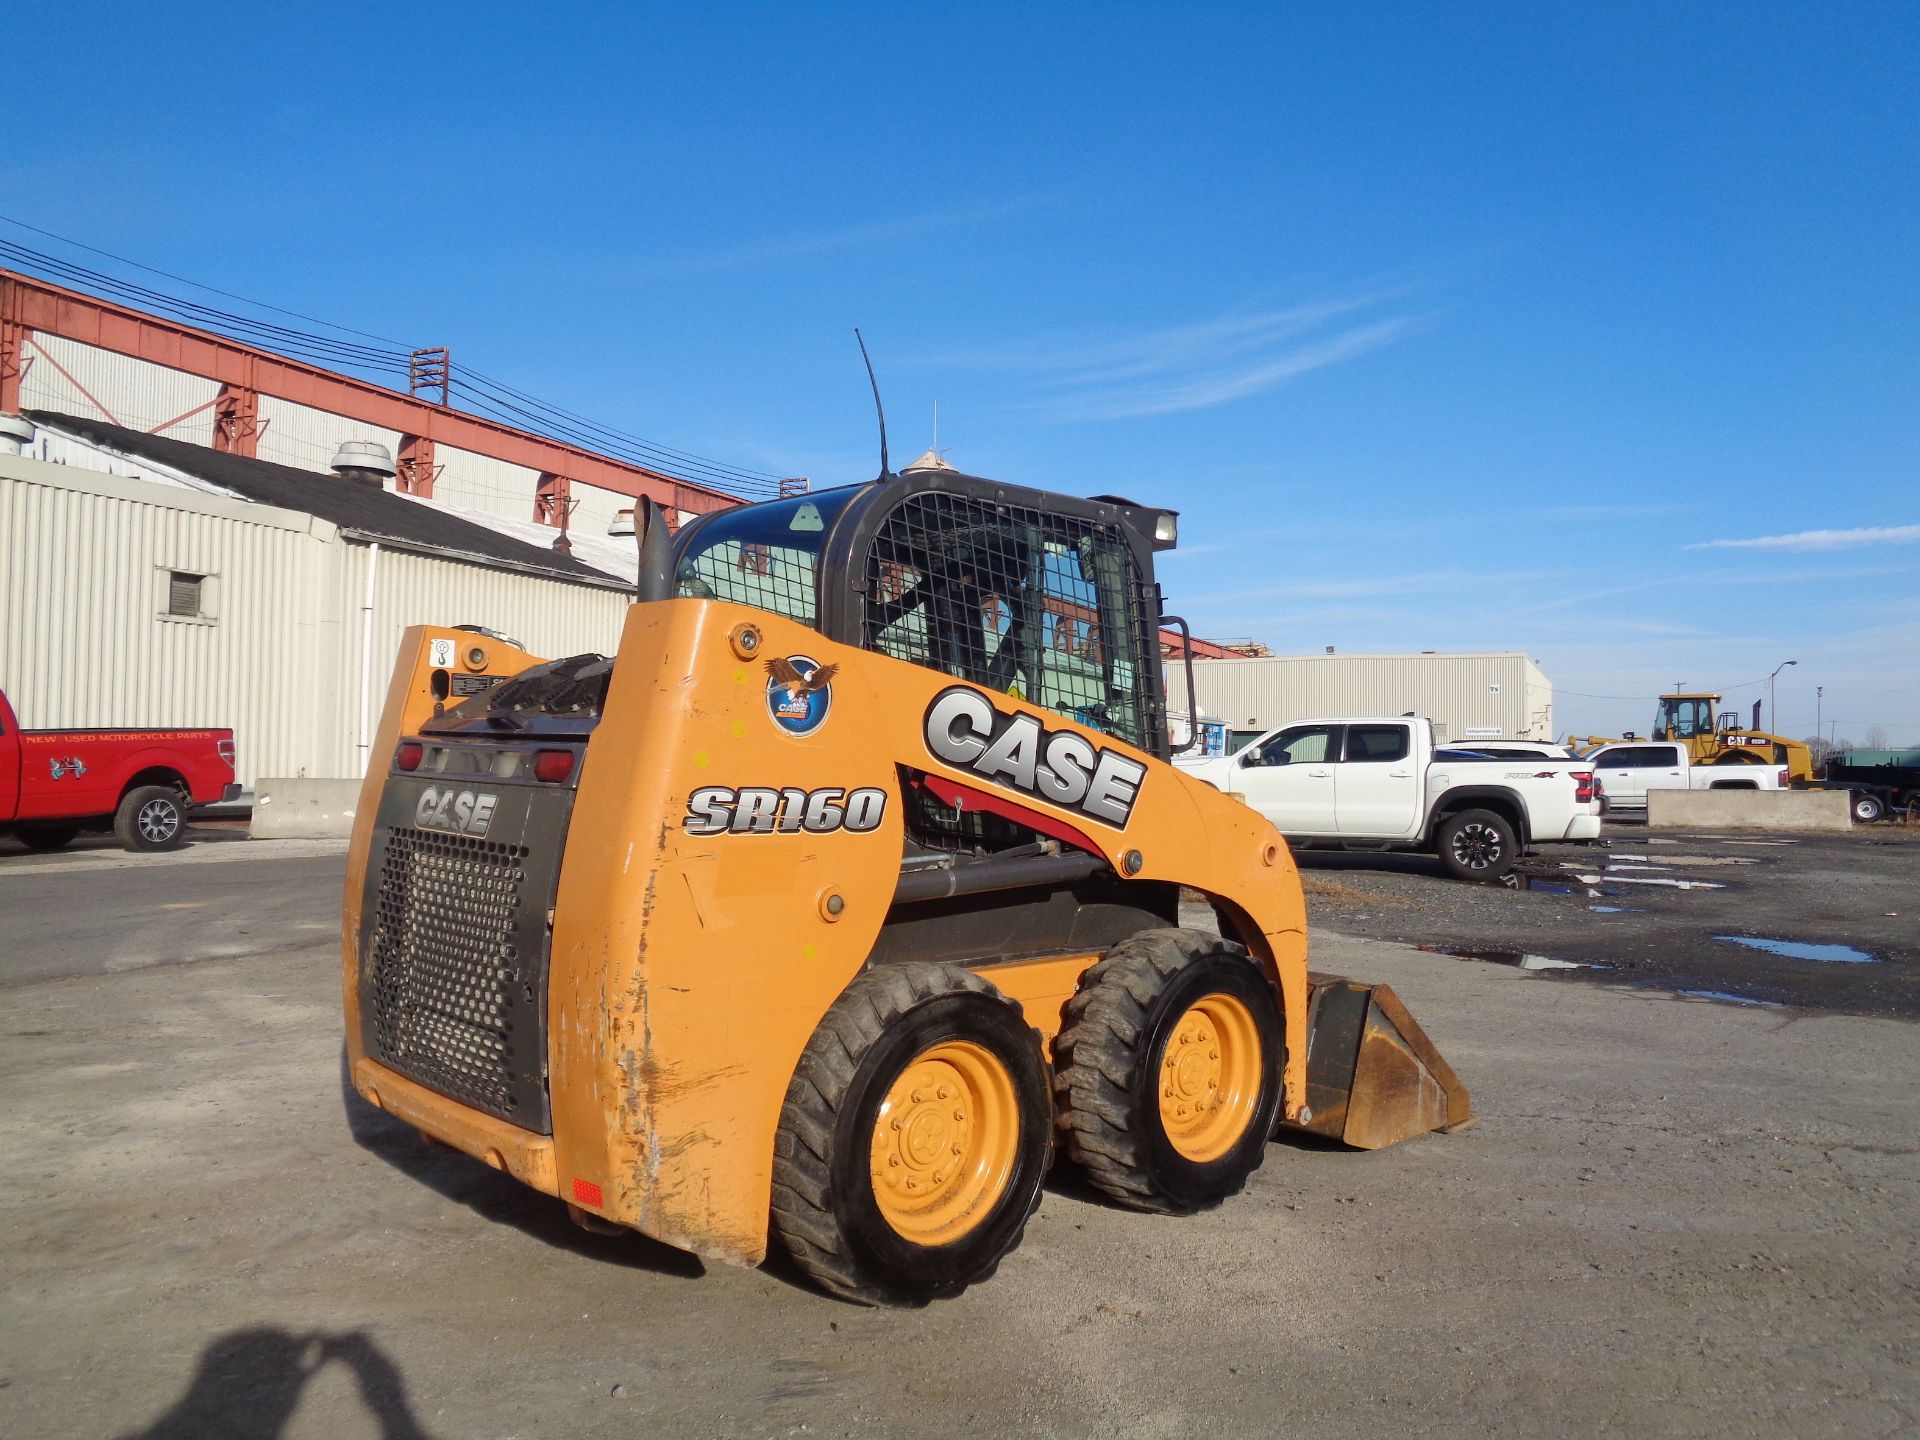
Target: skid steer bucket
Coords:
[(1373, 1077)]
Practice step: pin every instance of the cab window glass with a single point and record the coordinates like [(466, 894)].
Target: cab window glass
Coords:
[(1376, 743), (763, 555), (1307, 744)]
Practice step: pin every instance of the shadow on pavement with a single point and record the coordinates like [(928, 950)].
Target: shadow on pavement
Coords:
[(249, 1384), (496, 1197)]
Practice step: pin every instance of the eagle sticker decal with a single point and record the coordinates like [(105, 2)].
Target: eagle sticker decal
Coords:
[(799, 693)]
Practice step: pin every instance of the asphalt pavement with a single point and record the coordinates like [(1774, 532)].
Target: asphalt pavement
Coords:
[(100, 911), (1813, 923), (1675, 1216)]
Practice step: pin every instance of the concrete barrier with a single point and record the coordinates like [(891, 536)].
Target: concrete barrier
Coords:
[(303, 808), (1749, 810)]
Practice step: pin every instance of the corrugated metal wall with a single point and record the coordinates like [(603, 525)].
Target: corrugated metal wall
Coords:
[(551, 618), (84, 637), (136, 393), (1503, 694), (84, 640), (484, 483), (305, 438)]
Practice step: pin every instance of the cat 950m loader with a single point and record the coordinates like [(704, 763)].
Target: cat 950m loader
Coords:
[(845, 894)]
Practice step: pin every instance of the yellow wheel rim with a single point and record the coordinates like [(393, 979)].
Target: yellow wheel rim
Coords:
[(945, 1142), (1210, 1077)]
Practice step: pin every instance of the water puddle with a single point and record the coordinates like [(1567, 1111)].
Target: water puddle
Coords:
[(1727, 997), (1517, 959), (1615, 910), (1670, 884), (1667, 861), (1800, 950)]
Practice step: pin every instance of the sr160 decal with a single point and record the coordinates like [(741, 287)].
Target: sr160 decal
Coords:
[(753, 810), (1018, 752)]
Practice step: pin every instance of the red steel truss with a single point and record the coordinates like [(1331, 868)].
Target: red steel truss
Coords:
[(29, 305)]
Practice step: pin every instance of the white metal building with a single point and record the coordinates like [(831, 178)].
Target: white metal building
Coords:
[(144, 582), (1467, 696)]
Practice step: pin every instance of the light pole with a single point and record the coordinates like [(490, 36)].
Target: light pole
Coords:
[(1773, 719), (1819, 705)]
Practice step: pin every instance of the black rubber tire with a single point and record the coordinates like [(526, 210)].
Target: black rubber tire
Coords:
[(47, 837), (1477, 845), (151, 817), (824, 1208), (1108, 1057), (1867, 808)]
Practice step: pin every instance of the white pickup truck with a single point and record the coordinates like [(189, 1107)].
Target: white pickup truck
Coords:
[(1377, 783), (1629, 768)]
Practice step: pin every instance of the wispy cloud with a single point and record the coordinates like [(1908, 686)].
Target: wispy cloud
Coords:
[(777, 249), (1365, 587), (1198, 365), (1821, 539)]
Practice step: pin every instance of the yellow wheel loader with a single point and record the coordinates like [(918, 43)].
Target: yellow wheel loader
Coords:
[(1689, 718), (843, 896)]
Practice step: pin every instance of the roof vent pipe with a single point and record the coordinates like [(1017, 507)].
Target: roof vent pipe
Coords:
[(367, 462), (16, 434)]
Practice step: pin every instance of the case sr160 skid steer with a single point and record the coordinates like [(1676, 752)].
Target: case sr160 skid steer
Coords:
[(842, 895)]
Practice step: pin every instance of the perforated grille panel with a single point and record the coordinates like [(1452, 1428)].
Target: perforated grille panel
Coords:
[(449, 988)]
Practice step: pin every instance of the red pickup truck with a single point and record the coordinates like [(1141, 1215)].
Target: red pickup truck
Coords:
[(142, 783)]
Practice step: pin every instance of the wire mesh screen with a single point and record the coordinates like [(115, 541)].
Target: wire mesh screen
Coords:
[(767, 555), (1043, 606), (771, 577)]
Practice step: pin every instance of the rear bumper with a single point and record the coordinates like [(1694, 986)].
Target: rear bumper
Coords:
[(1584, 828), (503, 1145), (230, 794)]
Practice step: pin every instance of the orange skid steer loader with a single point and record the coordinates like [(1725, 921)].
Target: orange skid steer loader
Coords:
[(845, 893)]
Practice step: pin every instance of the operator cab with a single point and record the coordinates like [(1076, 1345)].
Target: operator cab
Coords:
[(1046, 598), (1684, 717)]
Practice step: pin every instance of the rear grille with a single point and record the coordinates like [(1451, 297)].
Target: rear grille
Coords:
[(448, 980)]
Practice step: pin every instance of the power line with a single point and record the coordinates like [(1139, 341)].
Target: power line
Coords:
[(211, 290), (593, 436), (494, 398)]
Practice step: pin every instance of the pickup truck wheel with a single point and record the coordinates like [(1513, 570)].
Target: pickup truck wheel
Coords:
[(47, 837), (153, 817), (1867, 808), (1477, 845)]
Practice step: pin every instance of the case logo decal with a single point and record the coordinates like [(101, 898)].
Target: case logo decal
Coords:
[(757, 810), (799, 693), (458, 812), (1019, 753)]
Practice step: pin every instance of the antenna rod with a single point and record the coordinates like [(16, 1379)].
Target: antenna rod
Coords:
[(885, 469)]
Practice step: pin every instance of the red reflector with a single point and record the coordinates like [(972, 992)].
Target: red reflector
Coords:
[(587, 1193), (409, 755), (553, 766)]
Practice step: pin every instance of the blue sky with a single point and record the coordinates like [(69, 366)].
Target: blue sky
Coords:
[(1591, 334)]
